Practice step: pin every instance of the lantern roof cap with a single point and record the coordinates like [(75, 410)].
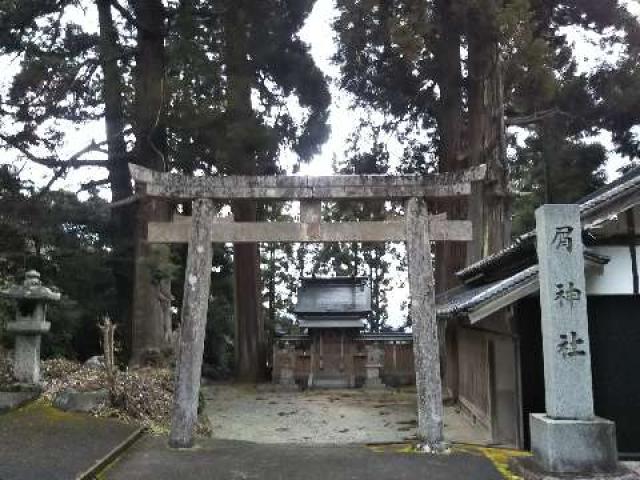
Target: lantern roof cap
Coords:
[(31, 289)]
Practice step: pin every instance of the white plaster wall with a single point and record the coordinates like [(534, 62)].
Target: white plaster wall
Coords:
[(616, 278)]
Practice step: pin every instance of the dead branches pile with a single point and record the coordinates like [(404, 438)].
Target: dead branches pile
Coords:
[(6, 373), (143, 396)]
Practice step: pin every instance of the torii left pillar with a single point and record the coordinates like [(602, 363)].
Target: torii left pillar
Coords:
[(195, 303)]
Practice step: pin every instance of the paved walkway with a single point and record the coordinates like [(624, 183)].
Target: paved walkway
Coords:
[(218, 459), (41, 442), (338, 417)]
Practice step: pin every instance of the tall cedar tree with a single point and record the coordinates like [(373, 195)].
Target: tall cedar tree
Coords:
[(85, 77), (151, 322), (473, 68), (230, 85), (67, 75), (188, 105)]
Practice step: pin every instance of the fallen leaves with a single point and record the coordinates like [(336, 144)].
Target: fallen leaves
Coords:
[(143, 395)]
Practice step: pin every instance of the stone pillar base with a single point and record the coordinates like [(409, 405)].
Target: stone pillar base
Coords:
[(374, 385), (373, 380), (562, 446), (287, 381), (528, 469)]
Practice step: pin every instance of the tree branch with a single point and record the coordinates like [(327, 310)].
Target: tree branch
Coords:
[(532, 118), (92, 184), (74, 161), (56, 175), (60, 166), (128, 16), (126, 201)]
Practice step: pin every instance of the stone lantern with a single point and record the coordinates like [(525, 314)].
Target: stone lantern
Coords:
[(30, 323)]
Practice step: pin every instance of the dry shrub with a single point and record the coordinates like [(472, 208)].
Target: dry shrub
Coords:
[(143, 395)]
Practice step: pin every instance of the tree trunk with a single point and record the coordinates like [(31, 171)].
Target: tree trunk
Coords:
[(489, 201), (152, 329), (272, 286), (450, 256), (119, 178), (249, 346)]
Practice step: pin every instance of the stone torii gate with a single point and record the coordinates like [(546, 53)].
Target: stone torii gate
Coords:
[(418, 229)]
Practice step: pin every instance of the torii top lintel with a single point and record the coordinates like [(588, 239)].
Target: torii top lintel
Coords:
[(286, 187)]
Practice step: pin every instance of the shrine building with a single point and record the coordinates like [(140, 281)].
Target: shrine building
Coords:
[(333, 348)]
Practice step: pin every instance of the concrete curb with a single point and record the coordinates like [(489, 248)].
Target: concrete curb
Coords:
[(528, 469), (10, 401), (112, 455)]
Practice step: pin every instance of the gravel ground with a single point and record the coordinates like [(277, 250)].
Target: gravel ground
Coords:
[(322, 416), (633, 466)]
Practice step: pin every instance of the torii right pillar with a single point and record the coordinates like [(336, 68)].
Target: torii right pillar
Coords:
[(426, 349), (568, 440)]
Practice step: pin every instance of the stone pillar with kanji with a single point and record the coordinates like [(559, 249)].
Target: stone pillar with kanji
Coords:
[(568, 438)]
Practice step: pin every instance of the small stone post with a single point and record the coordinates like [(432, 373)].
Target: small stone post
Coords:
[(568, 438), (31, 322), (108, 328), (195, 303), (426, 349), (287, 357), (375, 358)]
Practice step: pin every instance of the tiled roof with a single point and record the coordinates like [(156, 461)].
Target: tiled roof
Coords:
[(462, 300), (325, 322), (334, 296)]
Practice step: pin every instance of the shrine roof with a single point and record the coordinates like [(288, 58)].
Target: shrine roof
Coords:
[(463, 301), (340, 296), (31, 289), (595, 208), (332, 322)]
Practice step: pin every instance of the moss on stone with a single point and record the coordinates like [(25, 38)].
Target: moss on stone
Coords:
[(499, 457), (43, 409)]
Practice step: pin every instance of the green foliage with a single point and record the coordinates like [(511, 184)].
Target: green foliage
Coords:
[(58, 76), (201, 132), (219, 340), (618, 102), (382, 53), (218, 354), (393, 61), (550, 169), (367, 259), (279, 273), (68, 242), (162, 264), (61, 80), (392, 58)]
